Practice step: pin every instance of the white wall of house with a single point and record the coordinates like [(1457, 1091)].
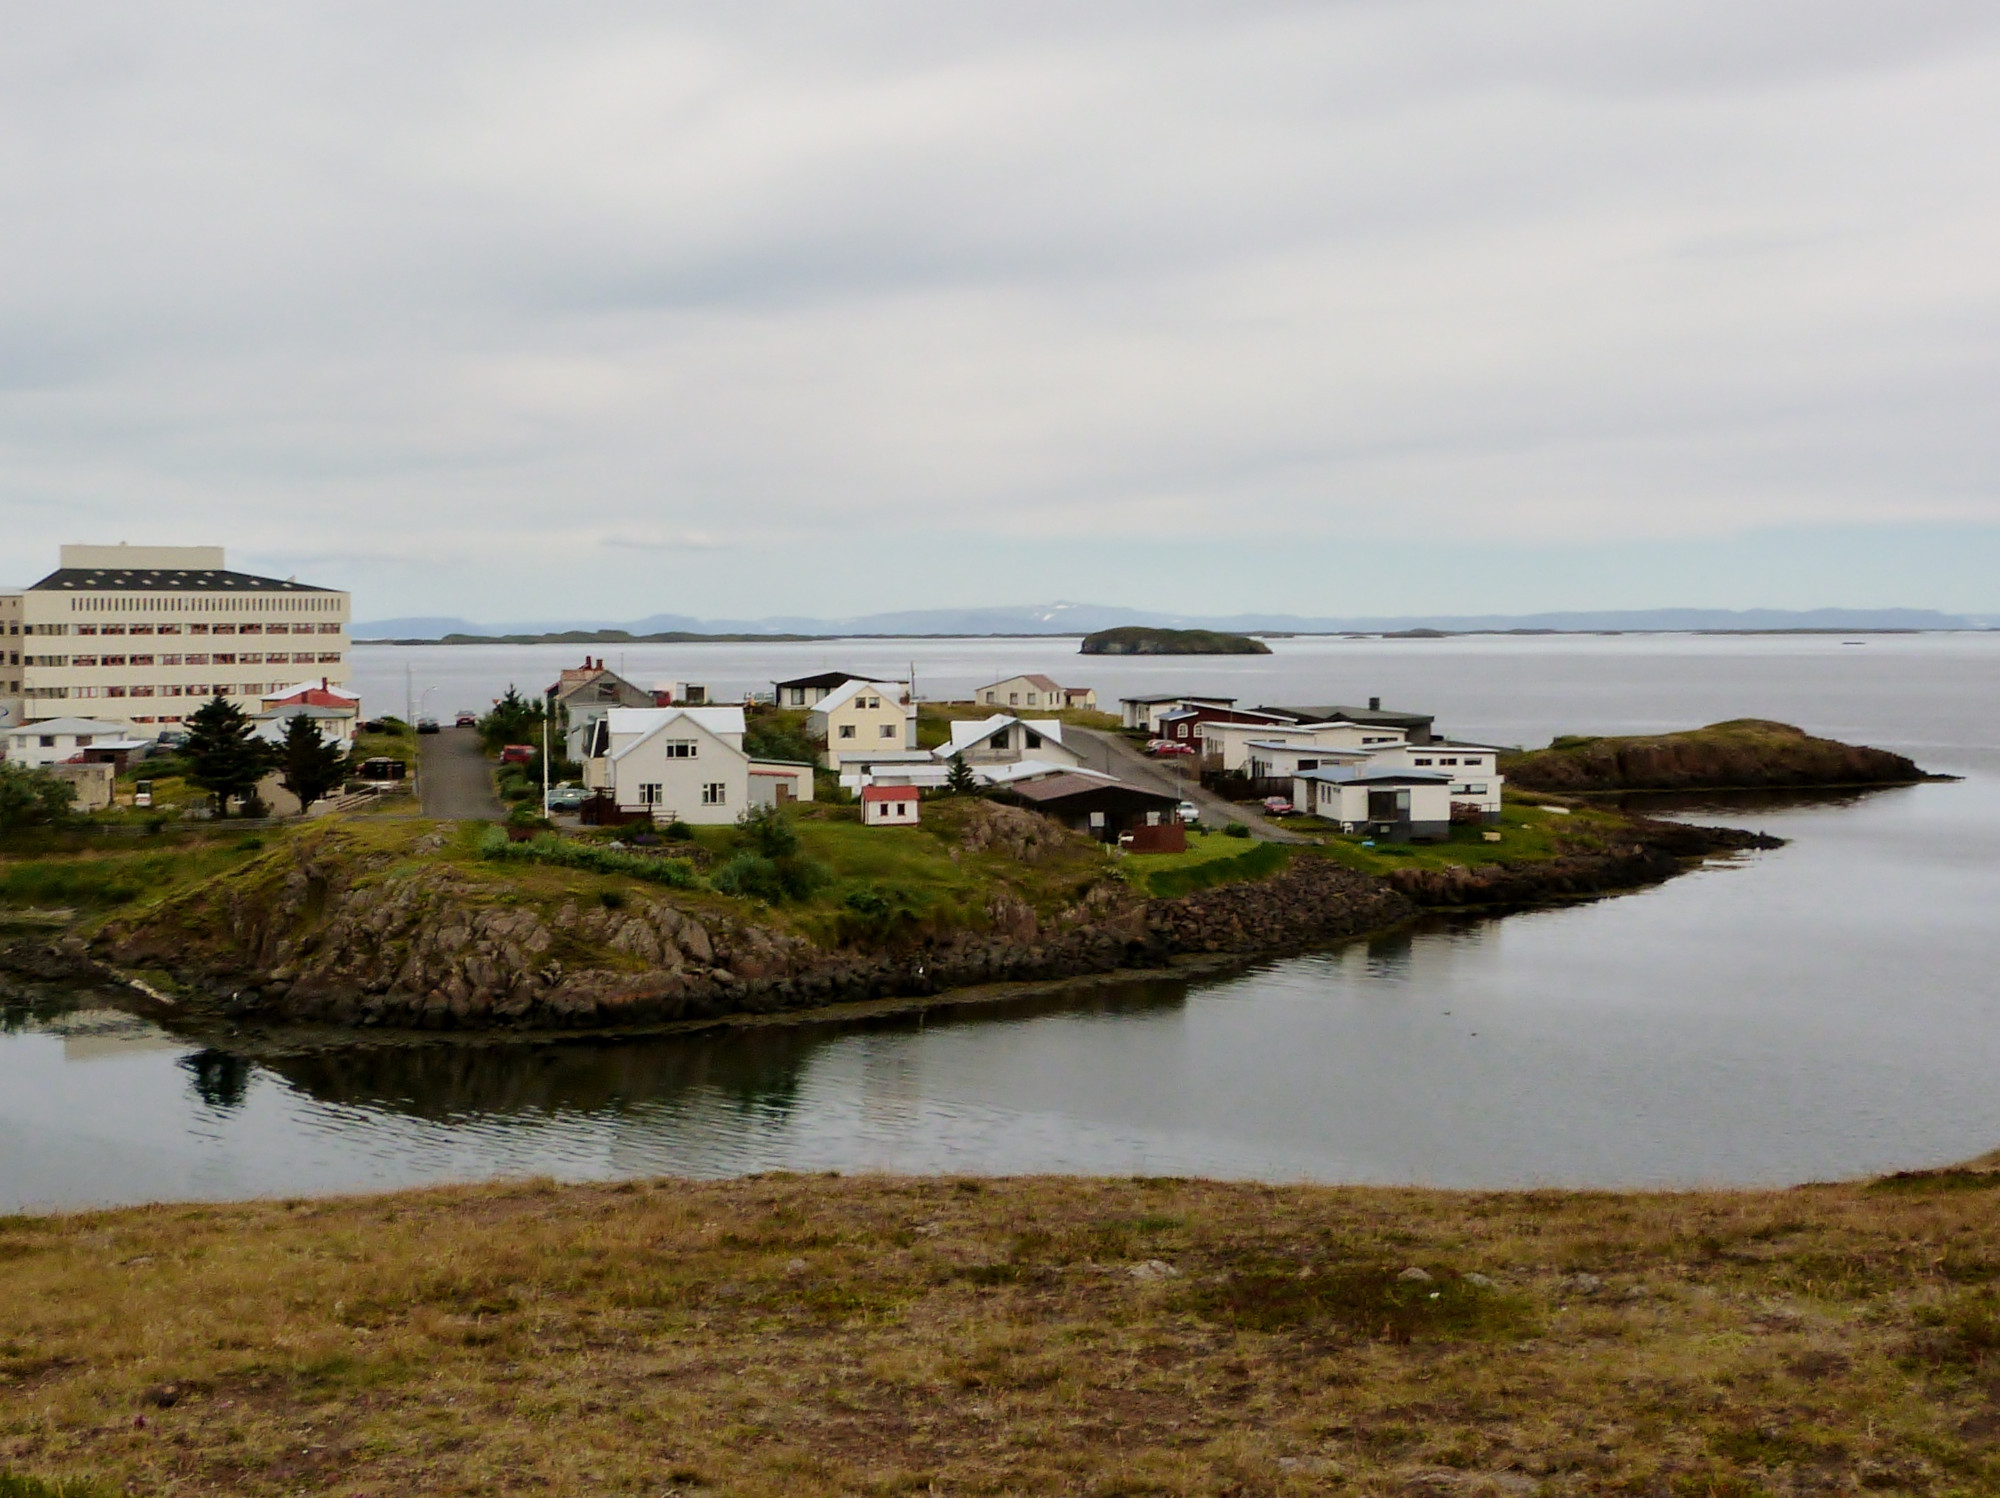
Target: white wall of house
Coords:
[(864, 717), (897, 811), (1346, 802), (774, 784), (53, 742), (1474, 769), (1022, 691), (679, 762), (1230, 742), (1140, 712), (1002, 739)]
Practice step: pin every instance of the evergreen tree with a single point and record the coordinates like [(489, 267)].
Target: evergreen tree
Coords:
[(958, 779), (514, 720), (222, 753), (308, 765)]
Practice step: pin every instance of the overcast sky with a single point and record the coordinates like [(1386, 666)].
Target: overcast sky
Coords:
[(595, 310)]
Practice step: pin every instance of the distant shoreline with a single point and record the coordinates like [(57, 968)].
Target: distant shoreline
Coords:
[(621, 637)]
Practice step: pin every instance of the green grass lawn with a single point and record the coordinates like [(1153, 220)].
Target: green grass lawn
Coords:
[(1169, 873), (1528, 833)]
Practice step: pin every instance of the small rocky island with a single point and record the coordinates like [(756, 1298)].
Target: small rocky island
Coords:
[(1741, 754), (1141, 640)]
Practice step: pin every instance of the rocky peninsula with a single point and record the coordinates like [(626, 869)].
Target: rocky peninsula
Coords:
[(1742, 754), (407, 925)]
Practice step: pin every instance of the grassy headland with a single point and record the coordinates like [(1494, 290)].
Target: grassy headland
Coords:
[(815, 1336), (1742, 754)]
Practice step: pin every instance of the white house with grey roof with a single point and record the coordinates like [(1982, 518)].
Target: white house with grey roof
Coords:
[(686, 764), (144, 635)]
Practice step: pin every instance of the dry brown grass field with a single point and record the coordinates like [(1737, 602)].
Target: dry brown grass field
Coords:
[(806, 1336)]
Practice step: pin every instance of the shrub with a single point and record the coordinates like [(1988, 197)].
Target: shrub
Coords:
[(33, 798), (1367, 1300), (674, 872), (768, 832), (789, 877), (1236, 829)]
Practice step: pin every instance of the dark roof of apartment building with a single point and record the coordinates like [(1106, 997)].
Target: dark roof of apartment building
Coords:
[(166, 580), (1338, 714)]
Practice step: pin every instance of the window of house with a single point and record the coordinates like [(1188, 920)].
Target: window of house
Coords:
[(1423, 761), (112, 629), (1449, 761), (197, 629), (83, 660), (225, 629), (142, 660), (197, 660), (679, 748), (847, 730), (225, 660), (142, 629), (48, 741), (251, 629), (251, 658), (1034, 739), (83, 741), (1013, 699), (649, 793), (992, 696), (1475, 790), (1031, 699), (888, 730), (715, 793), (329, 629)]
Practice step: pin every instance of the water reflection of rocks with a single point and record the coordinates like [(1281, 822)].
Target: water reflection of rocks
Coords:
[(756, 1069)]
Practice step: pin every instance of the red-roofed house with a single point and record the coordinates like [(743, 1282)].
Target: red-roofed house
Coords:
[(888, 806)]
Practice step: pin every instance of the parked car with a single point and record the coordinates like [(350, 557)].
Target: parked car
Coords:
[(171, 738), (567, 797), (1277, 806), (1190, 813), (466, 719), (1168, 746), (427, 725), (517, 754)]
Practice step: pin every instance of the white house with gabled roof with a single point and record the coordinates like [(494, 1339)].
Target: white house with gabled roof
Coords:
[(1004, 739), (686, 764), (55, 741)]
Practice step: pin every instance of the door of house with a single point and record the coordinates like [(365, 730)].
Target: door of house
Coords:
[(1388, 806)]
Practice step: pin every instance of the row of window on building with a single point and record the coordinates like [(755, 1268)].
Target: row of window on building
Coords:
[(219, 658), (189, 689), (175, 629), (715, 793)]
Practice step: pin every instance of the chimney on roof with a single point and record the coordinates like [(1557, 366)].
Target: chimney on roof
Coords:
[(1374, 704)]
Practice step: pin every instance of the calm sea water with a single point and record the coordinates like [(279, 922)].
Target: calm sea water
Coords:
[(1824, 1010)]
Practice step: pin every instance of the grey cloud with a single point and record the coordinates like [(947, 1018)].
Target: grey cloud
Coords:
[(785, 271)]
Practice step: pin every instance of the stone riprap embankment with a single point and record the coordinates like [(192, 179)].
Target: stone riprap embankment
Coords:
[(1658, 851)]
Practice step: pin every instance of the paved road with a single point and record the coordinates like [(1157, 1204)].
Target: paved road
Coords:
[(454, 779), (1117, 755)]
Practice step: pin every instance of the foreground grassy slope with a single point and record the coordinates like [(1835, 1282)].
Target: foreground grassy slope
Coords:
[(807, 1336)]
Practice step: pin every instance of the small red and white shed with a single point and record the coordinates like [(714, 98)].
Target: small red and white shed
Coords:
[(888, 806)]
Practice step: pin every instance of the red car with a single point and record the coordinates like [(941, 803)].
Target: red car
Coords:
[(1277, 806), (517, 754), (1168, 746)]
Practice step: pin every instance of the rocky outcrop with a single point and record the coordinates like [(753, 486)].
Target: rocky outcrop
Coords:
[(1657, 852), (1746, 754), (317, 934), (433, 949)]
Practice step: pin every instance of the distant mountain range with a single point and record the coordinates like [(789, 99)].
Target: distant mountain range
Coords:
[(1082, 618)]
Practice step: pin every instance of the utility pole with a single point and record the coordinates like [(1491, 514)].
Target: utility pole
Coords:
[(548, 712), (409, 702)]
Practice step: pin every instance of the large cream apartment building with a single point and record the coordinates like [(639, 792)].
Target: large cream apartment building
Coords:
[(146, 634)]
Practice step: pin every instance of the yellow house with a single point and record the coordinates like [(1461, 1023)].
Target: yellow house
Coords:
[(863, 718), (1035, 691)]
